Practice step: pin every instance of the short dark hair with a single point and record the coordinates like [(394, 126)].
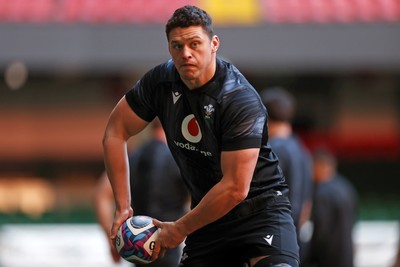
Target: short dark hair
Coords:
[(190, 16), (324, 154), (279, 102)]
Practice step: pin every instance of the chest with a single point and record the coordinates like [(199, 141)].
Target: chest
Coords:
[(191, 122)]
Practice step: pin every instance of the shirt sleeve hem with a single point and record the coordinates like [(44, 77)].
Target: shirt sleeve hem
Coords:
[(242, 144)]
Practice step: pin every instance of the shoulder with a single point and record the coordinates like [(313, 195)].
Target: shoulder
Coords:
[(232, 79), (153, 78), (344, 183), (164, 72), (235, 87), (148, 93)]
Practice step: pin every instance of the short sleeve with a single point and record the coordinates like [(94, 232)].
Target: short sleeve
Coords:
[(141, 97), (243, 120)]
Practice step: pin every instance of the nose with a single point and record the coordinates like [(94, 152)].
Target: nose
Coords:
[(186, 53)]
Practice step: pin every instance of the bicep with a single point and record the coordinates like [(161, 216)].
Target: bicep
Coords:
[(238, 166), (124, 122)]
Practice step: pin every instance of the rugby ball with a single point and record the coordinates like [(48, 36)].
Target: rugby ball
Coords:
[(135, 239)]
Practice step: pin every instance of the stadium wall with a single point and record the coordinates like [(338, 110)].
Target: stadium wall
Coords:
[(48, 48)]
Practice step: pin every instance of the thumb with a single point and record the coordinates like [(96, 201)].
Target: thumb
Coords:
[(157, 223), (114, 231)]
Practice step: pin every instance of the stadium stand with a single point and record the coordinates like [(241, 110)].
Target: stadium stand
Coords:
[(315, 11), (224, 12)]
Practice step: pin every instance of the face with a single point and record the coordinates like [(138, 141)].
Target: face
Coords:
[(323, 171), (194, 54)]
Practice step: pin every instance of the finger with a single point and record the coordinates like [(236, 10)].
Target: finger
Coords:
[(114, 231), (115, 255), (131, 212), (156, 251), (157, 223), (162, 253), (115, 227)]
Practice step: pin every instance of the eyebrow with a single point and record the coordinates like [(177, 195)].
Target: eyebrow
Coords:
[(187, 39)]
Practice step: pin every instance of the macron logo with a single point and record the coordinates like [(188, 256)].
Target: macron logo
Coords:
[(176, 96), (269, 238)]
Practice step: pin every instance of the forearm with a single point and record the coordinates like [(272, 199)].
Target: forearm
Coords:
[(104, 212), (222, 198), (116, 162), (104, 203), (238, 168)]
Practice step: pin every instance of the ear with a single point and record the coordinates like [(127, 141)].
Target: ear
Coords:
[(214, 43)]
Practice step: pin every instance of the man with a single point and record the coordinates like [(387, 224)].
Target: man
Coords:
[(216, 128), (294, 159), (334, 214), (156, 189)]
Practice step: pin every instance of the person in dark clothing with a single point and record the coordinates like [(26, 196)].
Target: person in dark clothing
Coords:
[(334, 214), (216, 128), (294, 158), (156, 187)]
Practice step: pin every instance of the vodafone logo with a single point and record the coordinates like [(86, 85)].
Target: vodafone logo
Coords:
[(190, 129), (192, 133)]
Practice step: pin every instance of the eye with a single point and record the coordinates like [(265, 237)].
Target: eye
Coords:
[(195, 44), (177, 46)]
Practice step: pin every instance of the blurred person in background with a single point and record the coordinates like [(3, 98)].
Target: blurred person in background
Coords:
[(334, 214), (294, 158), (156, 188), (396, 262)]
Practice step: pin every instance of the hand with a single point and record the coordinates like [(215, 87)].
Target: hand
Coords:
[(170, 236), (119, 218), (114, 253)]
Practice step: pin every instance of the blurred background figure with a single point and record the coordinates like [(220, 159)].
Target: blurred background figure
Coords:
[(294, 158), (156, 189), (334, 214), (396, 262)]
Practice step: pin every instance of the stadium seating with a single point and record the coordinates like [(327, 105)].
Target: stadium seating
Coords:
[(224, 12)]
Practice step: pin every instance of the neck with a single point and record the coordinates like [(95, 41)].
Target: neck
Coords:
[(203, 78)]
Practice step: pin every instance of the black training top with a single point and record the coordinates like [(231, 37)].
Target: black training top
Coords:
[(225, 114)]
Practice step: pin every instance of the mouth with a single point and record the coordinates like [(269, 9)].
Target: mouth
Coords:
[(188, 65)]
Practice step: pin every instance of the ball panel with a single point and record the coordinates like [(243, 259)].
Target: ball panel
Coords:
[(140, 221), (138, 224)]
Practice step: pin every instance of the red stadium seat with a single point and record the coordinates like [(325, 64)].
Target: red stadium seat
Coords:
[(3, 9), (345, 10), (27, 11), (327, 11), (121, 11), (158, 11), (391, 10), (70, 10)]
